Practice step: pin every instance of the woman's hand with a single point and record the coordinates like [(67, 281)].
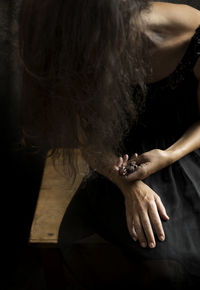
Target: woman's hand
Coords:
[(147, 163), (144, 208)]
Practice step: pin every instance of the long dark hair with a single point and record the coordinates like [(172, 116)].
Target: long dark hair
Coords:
[(81, 61)]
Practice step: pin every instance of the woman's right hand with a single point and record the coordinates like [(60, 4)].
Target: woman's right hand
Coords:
[(144, 208)]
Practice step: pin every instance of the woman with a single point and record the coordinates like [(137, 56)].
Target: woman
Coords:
[(121, 78)]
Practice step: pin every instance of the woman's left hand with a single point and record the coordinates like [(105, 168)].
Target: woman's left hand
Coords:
[(147, 163)]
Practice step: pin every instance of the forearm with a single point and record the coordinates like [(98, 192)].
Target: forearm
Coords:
[(189, 142)]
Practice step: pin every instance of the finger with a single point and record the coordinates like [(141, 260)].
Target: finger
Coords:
[(125, 159), (135, 155), (116, 167), (130, 226), (161, 208), (148, 229), (119, 164), (139, 231), (155, 219), (120, 161), (134, 232)]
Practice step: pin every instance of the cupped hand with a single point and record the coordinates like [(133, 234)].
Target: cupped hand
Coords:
[(144, 209), (147, 163)]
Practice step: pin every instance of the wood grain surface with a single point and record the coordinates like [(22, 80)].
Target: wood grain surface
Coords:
[(53, 199)]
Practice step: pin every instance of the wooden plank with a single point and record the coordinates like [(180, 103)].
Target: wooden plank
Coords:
[(53, 199)]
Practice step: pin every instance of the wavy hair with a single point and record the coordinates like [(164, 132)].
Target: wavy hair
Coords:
[(81, 61)]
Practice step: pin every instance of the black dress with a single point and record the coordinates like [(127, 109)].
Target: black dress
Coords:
[(98, 206)]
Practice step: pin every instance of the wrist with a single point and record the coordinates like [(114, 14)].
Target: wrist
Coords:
[(172, 155), (130, 187), (117, 179)]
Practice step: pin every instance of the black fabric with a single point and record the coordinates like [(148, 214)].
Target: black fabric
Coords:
[(170, 109)]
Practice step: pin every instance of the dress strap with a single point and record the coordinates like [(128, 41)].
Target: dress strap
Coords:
[(193, 51), (186, 65), (197, 48)]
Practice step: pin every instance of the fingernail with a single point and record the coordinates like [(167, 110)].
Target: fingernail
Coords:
[(162, 238), (152, 245), (143, 245), (134, 239)]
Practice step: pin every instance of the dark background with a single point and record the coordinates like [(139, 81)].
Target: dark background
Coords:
[(21, 170)]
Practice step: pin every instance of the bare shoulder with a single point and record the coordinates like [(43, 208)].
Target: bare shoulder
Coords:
[(178, 17), (170, 28), (183, 19)]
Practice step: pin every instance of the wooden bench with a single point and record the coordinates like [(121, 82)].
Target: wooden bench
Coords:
[(53, 200)]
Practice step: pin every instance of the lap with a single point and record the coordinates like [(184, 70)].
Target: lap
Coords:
[(98, 207)]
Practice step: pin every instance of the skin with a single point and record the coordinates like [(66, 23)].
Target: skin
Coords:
[(170, 27)]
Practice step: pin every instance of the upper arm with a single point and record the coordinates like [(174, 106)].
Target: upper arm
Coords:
[(184, 17), (189, 19)]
